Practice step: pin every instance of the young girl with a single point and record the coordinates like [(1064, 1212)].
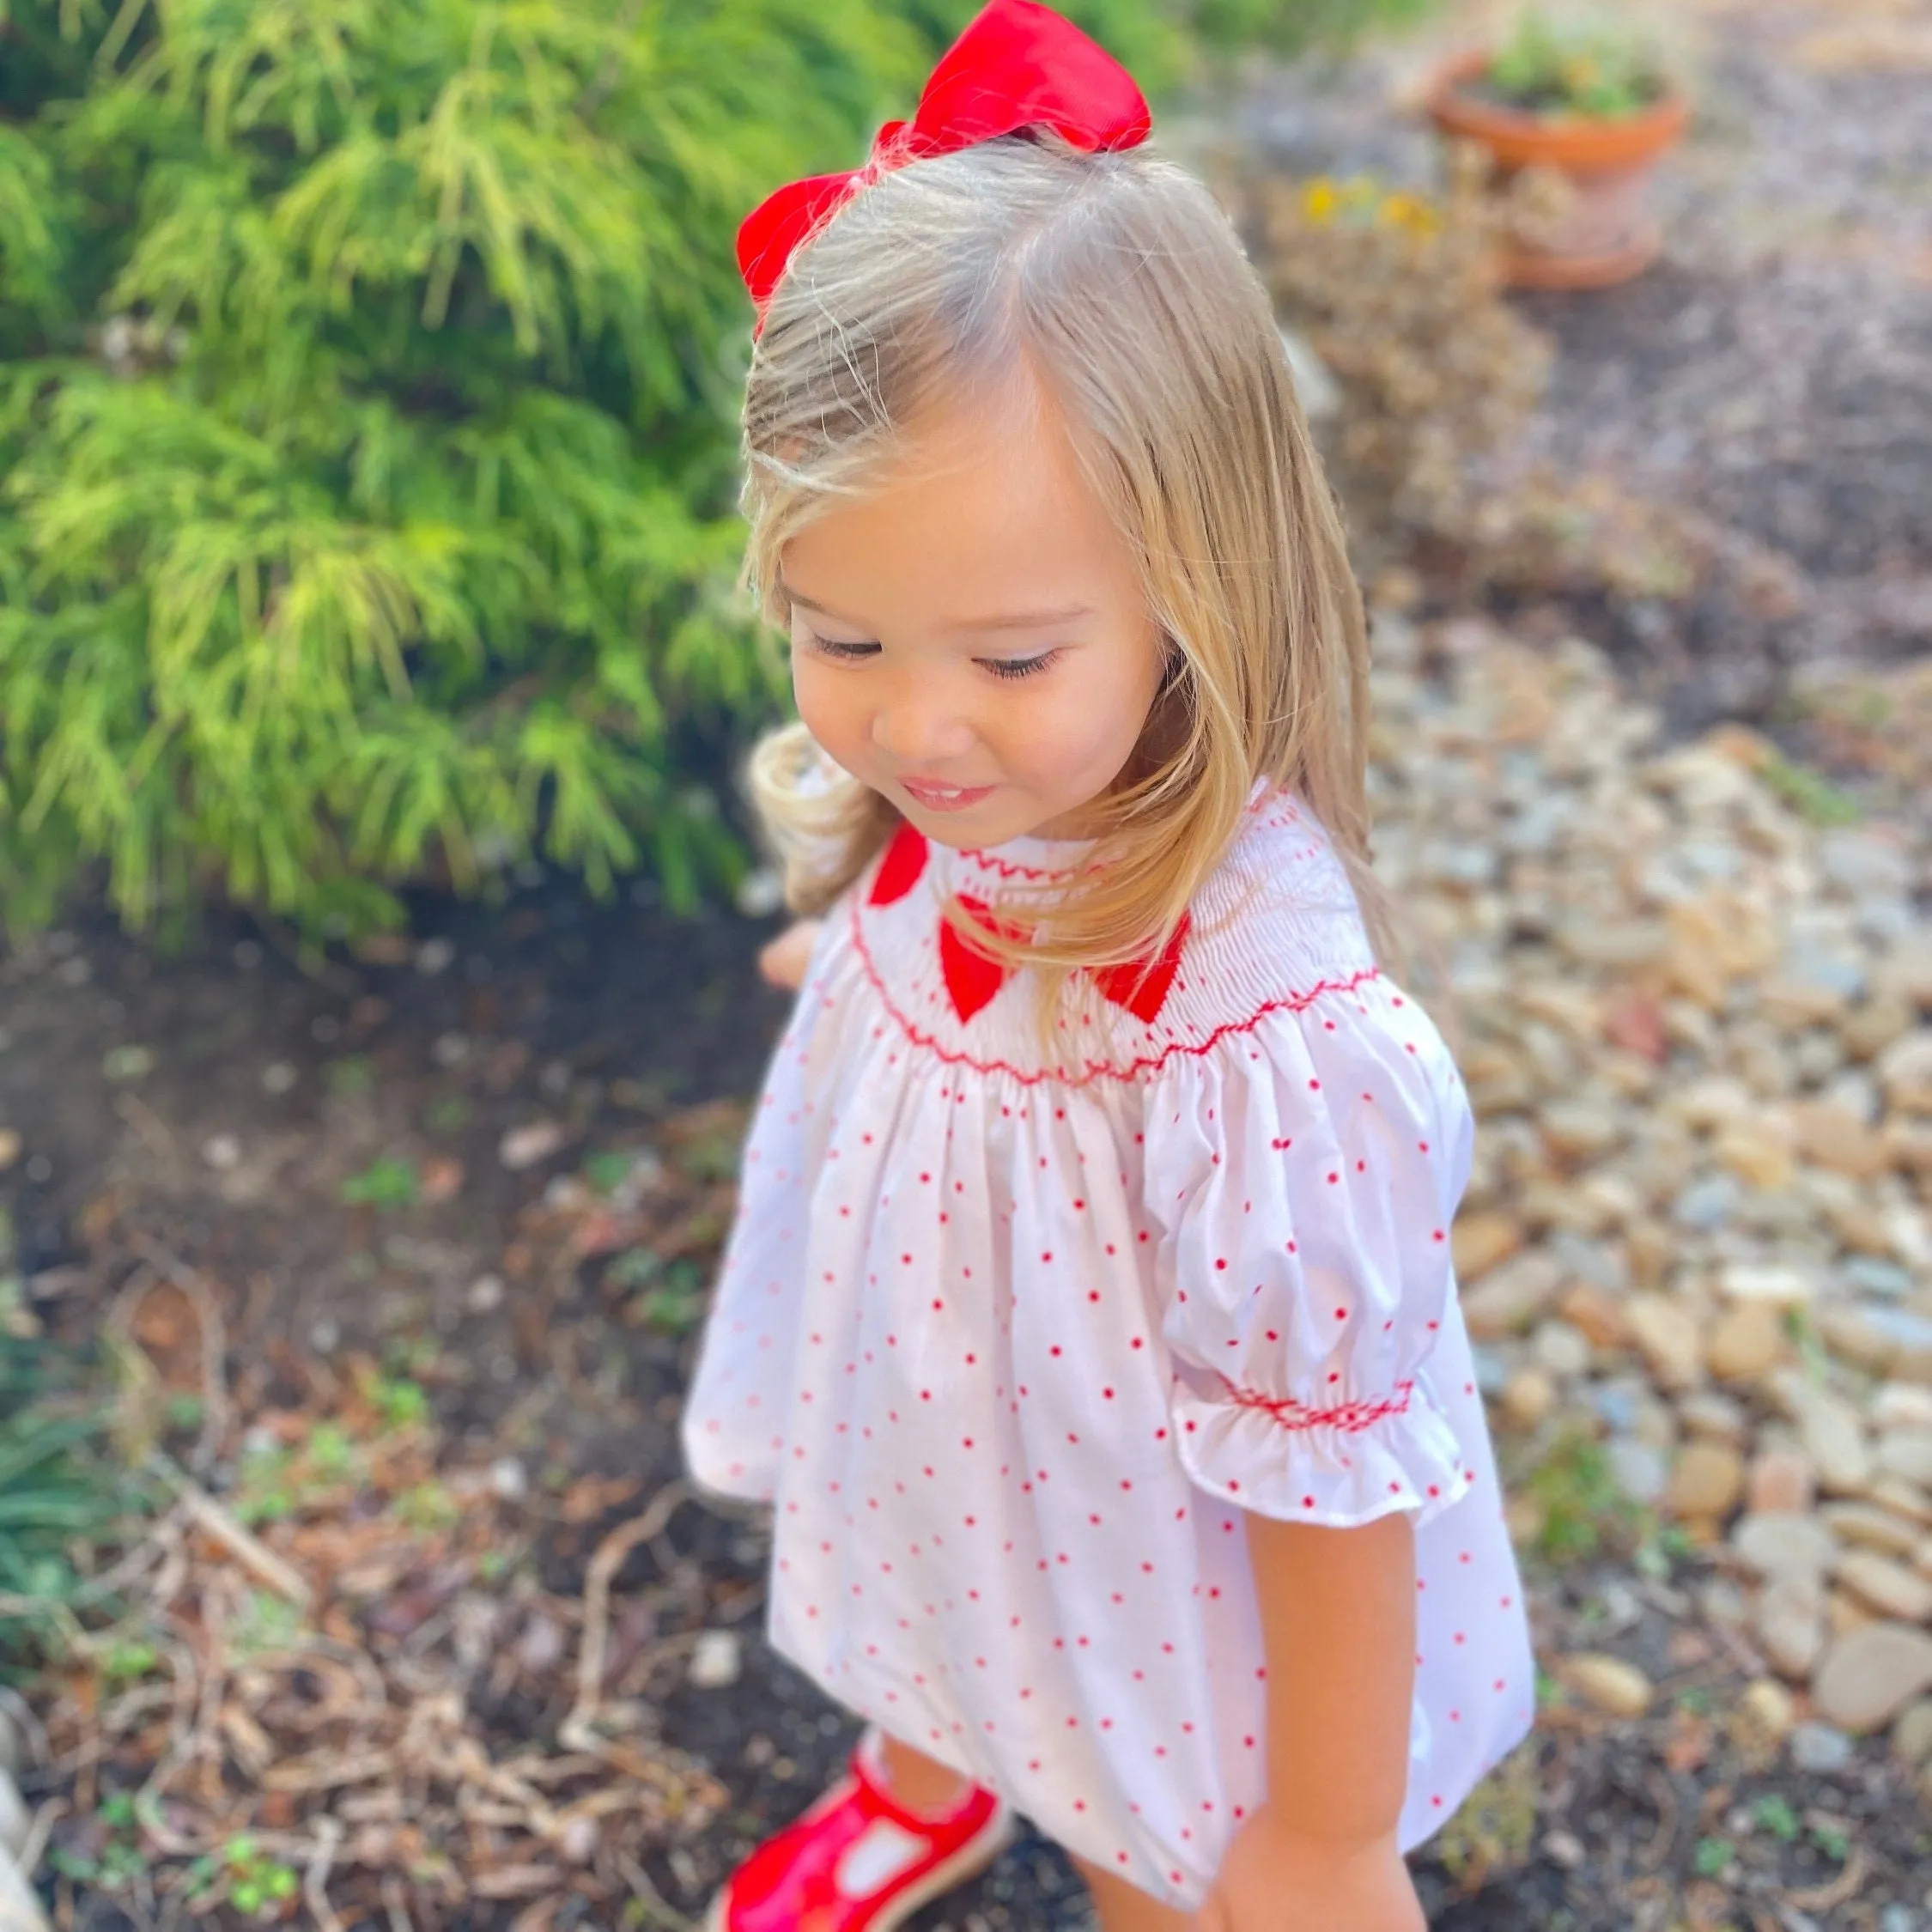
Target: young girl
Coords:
[(1089, 1318)]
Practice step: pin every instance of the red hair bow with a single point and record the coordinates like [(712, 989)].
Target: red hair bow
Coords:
[(1016, 64)]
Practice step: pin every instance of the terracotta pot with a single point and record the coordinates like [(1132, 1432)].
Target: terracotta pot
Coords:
[(1609, 234)]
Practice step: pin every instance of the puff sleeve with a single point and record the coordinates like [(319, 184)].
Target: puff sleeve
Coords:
[(1302, 1175)]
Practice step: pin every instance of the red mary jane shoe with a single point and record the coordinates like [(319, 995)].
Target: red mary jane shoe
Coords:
[(859, 1861)]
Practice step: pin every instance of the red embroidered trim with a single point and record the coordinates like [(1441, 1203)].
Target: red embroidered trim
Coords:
[(1007, 869), (1353, 1416), (1293, 1002)]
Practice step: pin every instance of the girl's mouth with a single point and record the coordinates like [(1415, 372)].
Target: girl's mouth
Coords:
[(936, 797)]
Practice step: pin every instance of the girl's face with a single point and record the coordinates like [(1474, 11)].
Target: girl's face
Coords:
[(971, 641)]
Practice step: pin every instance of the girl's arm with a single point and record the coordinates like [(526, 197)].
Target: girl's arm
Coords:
[(783, 960), (1338, 1618)]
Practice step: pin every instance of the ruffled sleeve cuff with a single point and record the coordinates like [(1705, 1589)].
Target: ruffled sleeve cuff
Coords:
[(1340, 1465)]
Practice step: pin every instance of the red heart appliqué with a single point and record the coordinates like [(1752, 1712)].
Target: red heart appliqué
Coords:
[(1140, 985), (973, 976), (898, 872)]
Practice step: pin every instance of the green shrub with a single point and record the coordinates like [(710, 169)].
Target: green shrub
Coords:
[(367, 433)]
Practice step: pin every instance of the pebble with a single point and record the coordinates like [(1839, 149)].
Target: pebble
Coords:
[(1872, 1528), (1640, 1469), (1527, 1397), (1783, 1544), (10, 1145), (1766, 1711), (1834, 1439), (525, 1147), (1607, 1683), (1870, 1674), (1707, 1480), (1781, 1482), (1911, 1734), (714, 1659), (1667, 1333), (1886, 1587), (1907, 1453), (1789, 1623), (1819, 1749), (1745, 1341)]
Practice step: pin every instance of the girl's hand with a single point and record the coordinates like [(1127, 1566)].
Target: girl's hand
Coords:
[(783, 962), (1272, 1880)]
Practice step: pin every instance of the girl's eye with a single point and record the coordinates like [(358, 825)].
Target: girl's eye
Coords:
[(1018, 667), (839, 647)]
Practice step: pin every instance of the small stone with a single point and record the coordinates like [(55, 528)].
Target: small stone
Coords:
[(1754, 1281), (508, 1479), (1766, 1711), (442, 1179), (1886, 1587), (714, 1659), (1758, 1151), (1744, 1341), (1607, 1683), (1668, 1336), (1868, 1527), (1790, 1623), (434, 956), (1834, 1439), (1844, 1613), (278, 1077), (1482, 1241), (1819, 1749), (1903, 1499), (1707, 1481), (1776, 1544), (1511, 1295), (1902, 1405), (1884, 1340), (1868, 1677), (1713, 1415), (222, 1152), (1907, 1453), (1527, 1397), (1564, 1849), (1708, 1202), (1911, 1736), (485, 1293), (1563, 1350), (1640, 1469), (525, 1147), (9, 1148), (1598, 1315), (1781, 1482), (1904, 1072)]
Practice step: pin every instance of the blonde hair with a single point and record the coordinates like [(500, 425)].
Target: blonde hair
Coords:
[(1119, 285)]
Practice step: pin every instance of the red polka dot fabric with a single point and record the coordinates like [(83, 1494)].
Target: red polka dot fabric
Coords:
[(1010, 1336)]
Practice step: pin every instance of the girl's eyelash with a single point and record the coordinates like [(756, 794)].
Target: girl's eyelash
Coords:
[(1001, 667), (1018, 667)]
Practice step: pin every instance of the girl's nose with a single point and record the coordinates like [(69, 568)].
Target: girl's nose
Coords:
[(916, 731)]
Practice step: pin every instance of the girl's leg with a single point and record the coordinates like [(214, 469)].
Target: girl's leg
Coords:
[(917, 1781), (1126, 1908)]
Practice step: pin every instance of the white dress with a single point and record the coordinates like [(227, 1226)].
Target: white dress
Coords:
[(1010, 1345)]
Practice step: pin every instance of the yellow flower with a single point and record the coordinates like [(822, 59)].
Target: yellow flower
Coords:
[(1402, 210), (1319, 199)]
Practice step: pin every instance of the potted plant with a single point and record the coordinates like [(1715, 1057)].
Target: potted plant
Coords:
[(1574, 118)]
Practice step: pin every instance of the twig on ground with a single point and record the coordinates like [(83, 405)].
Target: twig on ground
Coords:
[(651, 1902), (605, 1564), (315, 1878), (243, 1545)]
